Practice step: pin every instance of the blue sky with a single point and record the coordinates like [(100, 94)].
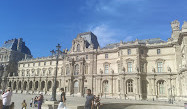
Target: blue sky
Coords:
[(44, 23)]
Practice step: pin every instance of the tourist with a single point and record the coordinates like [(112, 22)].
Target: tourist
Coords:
[(31, 102), (62, 103), (97, 102), (24, 104), (35, 101), (40, 101), (89, 104), (7, 98)]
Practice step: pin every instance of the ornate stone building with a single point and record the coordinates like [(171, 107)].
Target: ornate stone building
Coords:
[(140, 69), (11, 53)]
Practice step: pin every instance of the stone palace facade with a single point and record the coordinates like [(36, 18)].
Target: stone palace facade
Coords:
[(140, 69)]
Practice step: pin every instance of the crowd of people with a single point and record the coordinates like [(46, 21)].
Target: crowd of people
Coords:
[(92, 101)]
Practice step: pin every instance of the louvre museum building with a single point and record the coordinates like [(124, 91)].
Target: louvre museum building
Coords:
[(140, 69)]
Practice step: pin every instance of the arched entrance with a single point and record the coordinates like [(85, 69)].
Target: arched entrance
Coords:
[(42, 85), (105, 86), (30, 85), (25, 85), (49, 85), (76, 87), (10, 84), (19, 85), (14, 85), (36, 85), (161, 89)]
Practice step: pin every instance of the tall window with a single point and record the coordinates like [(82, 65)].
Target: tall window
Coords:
[(161, 87), (130, 86), (158, 51), (86, 56), (105, 86), (78, 47), (50, 72), (129, 66), (106, 56), (159, 67), (44, 72), (76, 70), (44, 63), (129, 51), (106, 68)]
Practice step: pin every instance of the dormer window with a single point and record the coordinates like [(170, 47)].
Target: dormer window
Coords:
[(129, 51), (158, 51), (106, 56), (78, 47)]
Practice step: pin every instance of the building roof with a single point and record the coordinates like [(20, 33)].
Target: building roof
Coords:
[(16, 45), (90, 38), (145, 41)]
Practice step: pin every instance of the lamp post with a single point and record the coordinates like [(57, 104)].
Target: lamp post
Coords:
[(55, 53)]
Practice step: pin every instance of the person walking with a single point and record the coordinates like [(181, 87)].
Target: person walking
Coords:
[(35, 101), (31, 102), (62, 104), (7, 98), (89, 104), (24, 104), (40, 101)]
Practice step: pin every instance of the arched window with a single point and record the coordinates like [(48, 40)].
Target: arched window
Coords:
[(76, 87), (76, 70), (78, 47), (67, 70), (161, 88), (105, 86), (129, 86)]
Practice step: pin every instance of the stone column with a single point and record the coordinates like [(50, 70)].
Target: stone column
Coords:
[(123, 87), (111, 86)]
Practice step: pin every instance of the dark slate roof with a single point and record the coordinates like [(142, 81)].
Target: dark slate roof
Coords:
[(110, 46), (16, 45), (90, 38)]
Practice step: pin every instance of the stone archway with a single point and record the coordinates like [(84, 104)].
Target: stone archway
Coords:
[(36, 85), (14, 85), (30, 85), (42, 85), (10, 84), (25, 85), (19, 85), (49, 85), (76, 87), (105, 86)]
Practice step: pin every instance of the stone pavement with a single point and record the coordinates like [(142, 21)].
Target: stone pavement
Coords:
[(79, 101)]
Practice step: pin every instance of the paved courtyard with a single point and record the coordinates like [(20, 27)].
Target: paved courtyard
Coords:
[(79, 101)]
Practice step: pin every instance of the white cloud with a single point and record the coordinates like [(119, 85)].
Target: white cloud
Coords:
[(107, 35)]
